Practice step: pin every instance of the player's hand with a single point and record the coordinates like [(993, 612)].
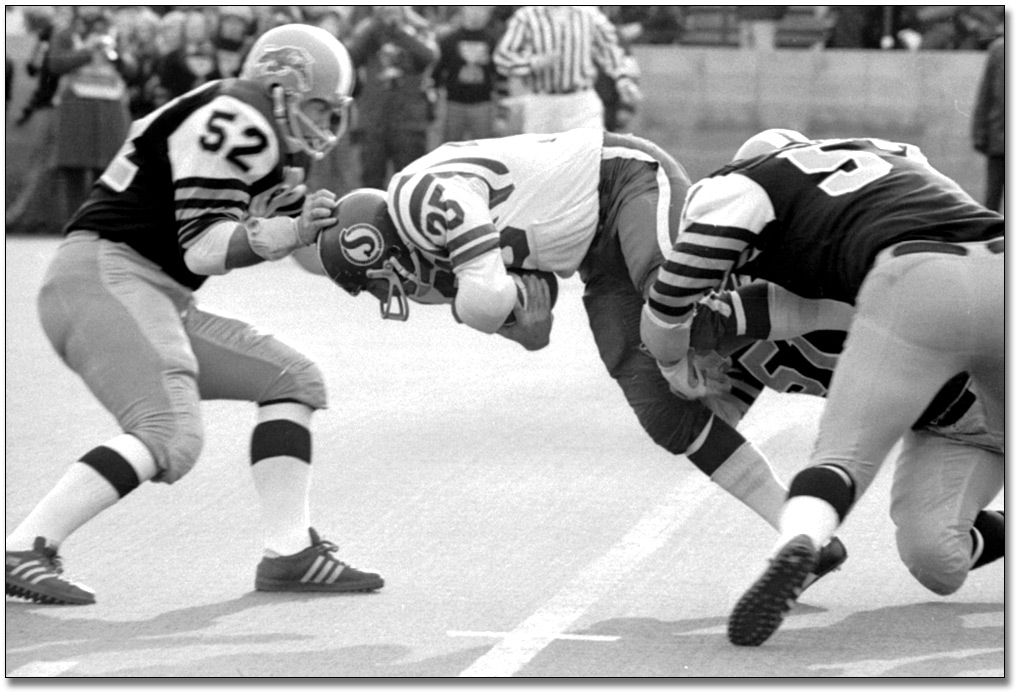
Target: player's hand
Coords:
[(533, 318), (316, 215), (629, 91), (697, 376)]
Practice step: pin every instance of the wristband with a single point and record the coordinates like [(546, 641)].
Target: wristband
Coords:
[(273, 238)]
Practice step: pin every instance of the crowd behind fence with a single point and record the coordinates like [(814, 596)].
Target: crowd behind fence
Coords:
[(161, 52)]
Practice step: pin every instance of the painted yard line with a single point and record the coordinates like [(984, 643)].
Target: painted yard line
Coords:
[(554, 636), (596, 580), (878, 667), (43, 669)]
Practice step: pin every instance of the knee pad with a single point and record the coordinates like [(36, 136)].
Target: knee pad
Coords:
[(301, 381), (938, 557), (175, 440)]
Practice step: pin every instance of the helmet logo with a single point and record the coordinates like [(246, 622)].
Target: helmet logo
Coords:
[(281, 61), (361, 244)]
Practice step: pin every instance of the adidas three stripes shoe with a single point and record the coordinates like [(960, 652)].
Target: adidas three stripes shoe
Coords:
[(36, 575), (314, 569)]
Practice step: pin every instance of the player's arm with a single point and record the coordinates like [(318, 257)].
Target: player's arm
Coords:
[(722, 218), (486, 294), (218, 155), (728, 320)]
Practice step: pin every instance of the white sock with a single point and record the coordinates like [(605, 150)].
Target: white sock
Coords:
[(283, 484), (807, 515), (79, 495), (747, 476)]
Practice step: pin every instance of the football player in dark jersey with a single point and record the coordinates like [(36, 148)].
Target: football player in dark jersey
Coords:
[(208, 183), (871, 224)]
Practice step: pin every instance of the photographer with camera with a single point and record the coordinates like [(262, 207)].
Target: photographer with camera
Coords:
[(92, 101)]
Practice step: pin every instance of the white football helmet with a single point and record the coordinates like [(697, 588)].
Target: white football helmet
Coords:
[(299, 63), (768, 141)]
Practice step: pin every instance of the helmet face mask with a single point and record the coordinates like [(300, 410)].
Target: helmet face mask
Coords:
[(300, 64), (364, 249)]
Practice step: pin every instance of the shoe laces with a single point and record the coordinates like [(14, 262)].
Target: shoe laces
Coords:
[(325, 546), (49, 554)]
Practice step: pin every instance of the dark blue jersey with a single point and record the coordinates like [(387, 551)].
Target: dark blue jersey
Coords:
[(201, 159)]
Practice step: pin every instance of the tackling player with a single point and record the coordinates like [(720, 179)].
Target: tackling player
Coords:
[(602, 205), (210, 182), (872, 224)]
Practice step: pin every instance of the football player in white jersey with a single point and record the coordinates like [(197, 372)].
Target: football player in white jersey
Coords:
[(210, 182), (461, 223)]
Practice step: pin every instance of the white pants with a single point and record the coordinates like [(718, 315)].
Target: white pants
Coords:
[(545, 113)]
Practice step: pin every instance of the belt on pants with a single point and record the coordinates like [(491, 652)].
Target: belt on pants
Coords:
[(996, 246)]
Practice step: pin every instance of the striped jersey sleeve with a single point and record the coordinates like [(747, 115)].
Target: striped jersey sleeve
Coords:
[(217, 155), (444, 214), (719, 229)]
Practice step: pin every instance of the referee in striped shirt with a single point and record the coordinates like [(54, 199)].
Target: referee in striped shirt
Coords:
[(553, 53)]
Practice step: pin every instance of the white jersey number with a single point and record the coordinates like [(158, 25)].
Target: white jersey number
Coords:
[(867, 166)]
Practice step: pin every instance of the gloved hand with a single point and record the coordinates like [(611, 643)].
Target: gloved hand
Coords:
[(697, 376)]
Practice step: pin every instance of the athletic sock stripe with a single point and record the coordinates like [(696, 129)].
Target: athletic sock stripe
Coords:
[(312, 570)]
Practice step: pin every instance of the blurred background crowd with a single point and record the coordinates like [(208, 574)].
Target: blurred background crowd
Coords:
[(417, 86)]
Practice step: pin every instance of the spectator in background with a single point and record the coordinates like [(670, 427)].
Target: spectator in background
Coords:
[(394, 50), (873, 26), (617, 114), (138, 28), (958, 27), (41, 24), (232, 38), (92, 102), (554, 51), (193, 62), (340, 170), (988, 127), (466, 75), (661, 24), (757, 25)]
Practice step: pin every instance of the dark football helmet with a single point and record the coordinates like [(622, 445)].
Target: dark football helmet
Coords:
[(364, 249)]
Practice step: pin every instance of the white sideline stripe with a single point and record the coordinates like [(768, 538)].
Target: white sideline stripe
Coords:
[(43, 669), (597, 579), (555, 636)]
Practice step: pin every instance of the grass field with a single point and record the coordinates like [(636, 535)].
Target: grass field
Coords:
[(524, 523)]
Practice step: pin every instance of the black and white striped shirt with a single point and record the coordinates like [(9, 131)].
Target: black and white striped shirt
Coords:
[(578, 37)]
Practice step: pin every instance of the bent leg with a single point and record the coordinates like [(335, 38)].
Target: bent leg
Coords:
[(939, 487)]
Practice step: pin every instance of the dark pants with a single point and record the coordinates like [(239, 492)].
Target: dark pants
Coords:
[(382, 147), (995, 183)]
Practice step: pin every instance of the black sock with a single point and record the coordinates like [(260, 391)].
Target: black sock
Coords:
[(992, 526)]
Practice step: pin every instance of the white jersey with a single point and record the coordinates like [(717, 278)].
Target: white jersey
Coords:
[(536, 197)]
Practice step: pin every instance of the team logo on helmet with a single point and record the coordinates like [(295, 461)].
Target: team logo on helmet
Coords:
[(280, 61), (361, 245)]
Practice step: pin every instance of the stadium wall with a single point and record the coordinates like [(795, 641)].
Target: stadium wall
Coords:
[(702, 103)]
